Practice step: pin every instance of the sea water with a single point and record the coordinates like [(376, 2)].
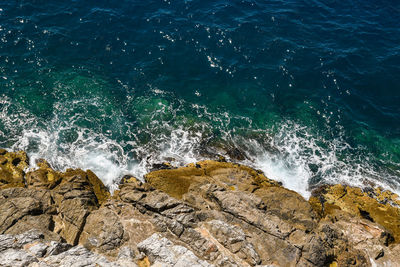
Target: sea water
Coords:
[(306, 91)]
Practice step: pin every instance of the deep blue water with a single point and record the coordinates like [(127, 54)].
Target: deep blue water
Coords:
[(307, 91)]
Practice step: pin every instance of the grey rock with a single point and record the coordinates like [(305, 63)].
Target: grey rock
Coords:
[(103, 230), (38, 249), (234, 239), (162, 251), (29, 249), (78, 257), (15, 258), (250, 208), (17, 241), (56, 248), (126, 252)]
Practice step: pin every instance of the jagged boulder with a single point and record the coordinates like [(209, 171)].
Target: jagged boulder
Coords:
[(103, 231), (162, 252), (371, 205), (57, 203), (12, 166), (30, 249), (255, 229), (178, 182)]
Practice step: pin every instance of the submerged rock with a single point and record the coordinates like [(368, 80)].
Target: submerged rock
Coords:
[(212, 213)]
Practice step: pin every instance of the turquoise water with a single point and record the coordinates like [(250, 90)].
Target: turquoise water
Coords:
[(307, 91)]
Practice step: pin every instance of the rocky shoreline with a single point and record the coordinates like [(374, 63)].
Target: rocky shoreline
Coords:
[(212, 213)]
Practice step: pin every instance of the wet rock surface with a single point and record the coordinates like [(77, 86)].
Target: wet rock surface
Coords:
[(205, 214)]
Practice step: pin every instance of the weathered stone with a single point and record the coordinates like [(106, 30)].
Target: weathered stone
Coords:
[(76, 197), (16, 258), (43, 222), (73, 214), (101, 192), (176, 182), (42, 196), (253, 210), (55, 248), (29, 249), (162, 252), (77, 183), (209, 213), (78, 256), (356, 202), (234, 239), (103, 231), (18, 241), (12, 210), (289, 206), (37, 249), (12, 166)]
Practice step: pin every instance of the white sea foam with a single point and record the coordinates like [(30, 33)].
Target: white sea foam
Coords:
[(86, 153), (291, 155), (292, 176), (289, 164), (302, 159)]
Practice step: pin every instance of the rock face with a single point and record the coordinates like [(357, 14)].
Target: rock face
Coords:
[(205, 214), (373, 205), (30, 249), (12, 165)]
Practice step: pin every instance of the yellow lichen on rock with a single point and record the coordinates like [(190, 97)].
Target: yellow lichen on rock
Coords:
[(44, 177), (128, 179), (99, 189), (47, 178), (12, 166), (176, 182), (144, 262), (386, 196), (358, 203), (92, 182)]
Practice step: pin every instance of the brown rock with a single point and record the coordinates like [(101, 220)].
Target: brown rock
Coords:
[(81, 184), (44, 223), (234, 239), (254, 211), (101, 192), (358, 203), (289, 206), (176, 182), (12, 166), (103, 231), (11, 210), (75, 199), (207, 213), (43, 178), (73, 214), (23, 209)]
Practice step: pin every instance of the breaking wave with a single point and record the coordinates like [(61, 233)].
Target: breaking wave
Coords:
[(287, 152)]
